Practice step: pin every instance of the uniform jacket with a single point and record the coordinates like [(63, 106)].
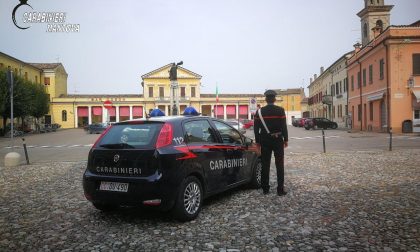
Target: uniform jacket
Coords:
[(275, 119)]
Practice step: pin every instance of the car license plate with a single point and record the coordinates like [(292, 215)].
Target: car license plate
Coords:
[(113, 186)]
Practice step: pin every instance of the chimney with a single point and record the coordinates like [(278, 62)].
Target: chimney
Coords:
[(310, 80), (315, 77), (356, 47), (376, 31), (322, 70)]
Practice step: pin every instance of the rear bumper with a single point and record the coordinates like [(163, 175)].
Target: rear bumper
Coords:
[(140, 189)]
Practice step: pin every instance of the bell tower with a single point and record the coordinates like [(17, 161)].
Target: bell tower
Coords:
[(375, 15)]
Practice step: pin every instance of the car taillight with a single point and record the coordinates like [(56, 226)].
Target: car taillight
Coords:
[(100, 137), (165, 136)]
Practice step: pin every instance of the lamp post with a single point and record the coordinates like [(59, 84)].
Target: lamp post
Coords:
[(11, 158), (173, 77)]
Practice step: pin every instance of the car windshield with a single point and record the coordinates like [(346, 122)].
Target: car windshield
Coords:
[(129, 136)]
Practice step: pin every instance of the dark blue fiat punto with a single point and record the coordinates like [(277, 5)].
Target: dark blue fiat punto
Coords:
[(171, 163)]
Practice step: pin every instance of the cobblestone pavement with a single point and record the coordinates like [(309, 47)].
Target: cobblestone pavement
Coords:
[(341, 201)]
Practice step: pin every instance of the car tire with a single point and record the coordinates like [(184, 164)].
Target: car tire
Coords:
[(307, 128), (189, 200), (334, 126), (105, 207), (256, 175)]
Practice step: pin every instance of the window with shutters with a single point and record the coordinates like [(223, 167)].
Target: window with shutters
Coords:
[(182, 91), (161, 92), (352, 82), (150, 91), (64, 116), (381, 69), (359, 79), (47, 81), (364, 77), (192, 91), (370, 74), (416, 64)]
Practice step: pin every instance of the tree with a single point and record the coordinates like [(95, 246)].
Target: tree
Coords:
[(39, 103), (29, 99)]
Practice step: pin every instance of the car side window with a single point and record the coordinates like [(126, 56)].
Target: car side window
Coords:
[(199, 131), (229, 135)]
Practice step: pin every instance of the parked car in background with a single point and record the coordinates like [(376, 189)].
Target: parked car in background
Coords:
[(96, 128), (319, 123), (295, 122), (237, 125), (301, 122)]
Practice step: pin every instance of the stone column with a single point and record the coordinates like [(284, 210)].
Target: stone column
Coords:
[(117, 113), (89, 114), (237, 111), (104, 114), (131, 112), (224, 112), (76, 118)]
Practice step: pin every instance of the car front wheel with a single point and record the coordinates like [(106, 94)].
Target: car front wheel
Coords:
[(334, 126), (189, 200)]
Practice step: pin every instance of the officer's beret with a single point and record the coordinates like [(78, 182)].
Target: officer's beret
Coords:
[(270, 92)]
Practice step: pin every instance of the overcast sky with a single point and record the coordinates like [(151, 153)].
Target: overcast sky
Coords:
[(244, 46)]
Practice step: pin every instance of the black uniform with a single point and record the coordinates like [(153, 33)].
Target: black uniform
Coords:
[(275, 119)]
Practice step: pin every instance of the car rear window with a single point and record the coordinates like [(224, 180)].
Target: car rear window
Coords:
[(129, 136)]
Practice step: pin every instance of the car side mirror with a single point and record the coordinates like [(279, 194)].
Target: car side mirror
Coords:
[(248, 141)]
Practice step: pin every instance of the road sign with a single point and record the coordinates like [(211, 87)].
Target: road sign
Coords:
[(253, 105), (107, 104)]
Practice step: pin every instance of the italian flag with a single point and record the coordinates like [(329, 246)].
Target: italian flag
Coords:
[(217, 93)]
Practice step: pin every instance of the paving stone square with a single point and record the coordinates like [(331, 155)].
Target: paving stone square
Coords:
[(342, 201)]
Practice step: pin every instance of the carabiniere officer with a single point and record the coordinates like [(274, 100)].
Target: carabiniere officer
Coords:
[(271, 137)]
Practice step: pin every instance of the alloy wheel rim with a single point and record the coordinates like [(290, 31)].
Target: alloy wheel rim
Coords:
[(192, 198)]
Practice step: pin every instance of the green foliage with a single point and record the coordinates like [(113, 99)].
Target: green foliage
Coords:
[(40, 101), (3, 91), (29, 99)]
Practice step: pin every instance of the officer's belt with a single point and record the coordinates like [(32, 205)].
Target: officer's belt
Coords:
[(275, 135)]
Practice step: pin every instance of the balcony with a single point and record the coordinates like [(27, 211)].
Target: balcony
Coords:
[(164, 99)]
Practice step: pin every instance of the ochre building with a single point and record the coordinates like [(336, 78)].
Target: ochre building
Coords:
[(73, 111), (384, 74)]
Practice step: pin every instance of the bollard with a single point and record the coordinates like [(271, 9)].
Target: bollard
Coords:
[(26, 151), (323, 140), (390, 139)]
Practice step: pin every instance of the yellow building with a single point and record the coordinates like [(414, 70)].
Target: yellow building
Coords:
[(52, 76), (72, 111)]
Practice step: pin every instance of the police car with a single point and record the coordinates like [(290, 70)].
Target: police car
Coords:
[(168, 162)]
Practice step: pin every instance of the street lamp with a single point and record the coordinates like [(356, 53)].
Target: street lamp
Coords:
[(173, 77)]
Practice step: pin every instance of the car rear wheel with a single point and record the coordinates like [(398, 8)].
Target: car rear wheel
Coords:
[(334, 126), (189, 200), (256, 175), (105, 207)]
